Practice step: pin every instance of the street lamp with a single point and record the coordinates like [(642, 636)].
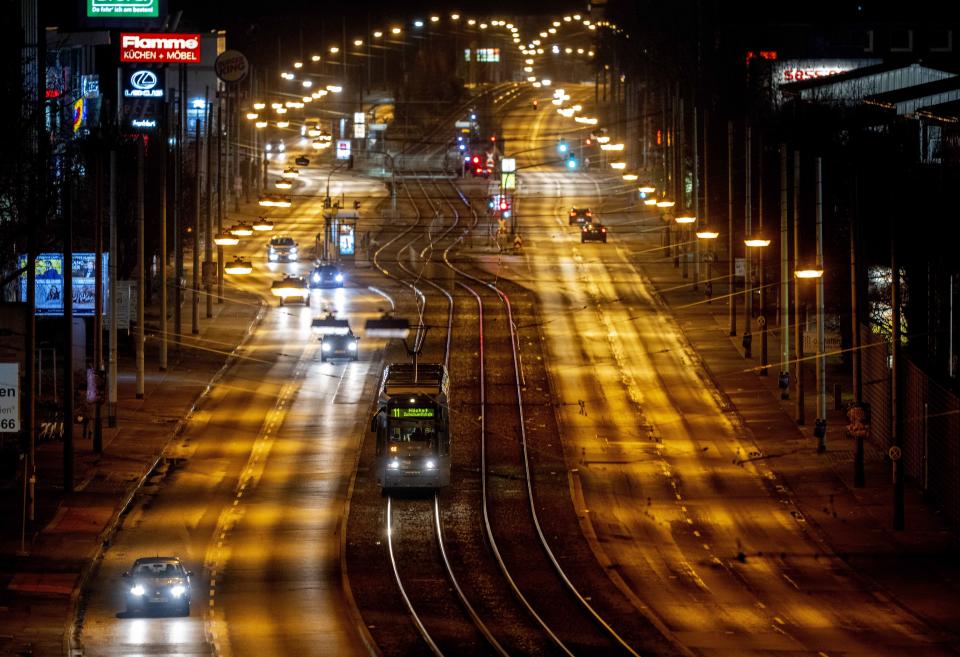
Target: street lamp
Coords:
[(283, 184), (238, 266), (630, 177), (225, 239), (754, 242), (814, 273), (241, 230), (646, 189), (262, 224), (709, 235)]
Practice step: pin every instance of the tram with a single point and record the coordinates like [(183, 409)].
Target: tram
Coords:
[(411, 424)]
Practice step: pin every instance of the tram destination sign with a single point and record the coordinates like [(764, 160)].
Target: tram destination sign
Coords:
[(159, 48), (411, 412)]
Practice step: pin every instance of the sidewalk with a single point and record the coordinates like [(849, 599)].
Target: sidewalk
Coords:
[(39, 587), (917, 567)]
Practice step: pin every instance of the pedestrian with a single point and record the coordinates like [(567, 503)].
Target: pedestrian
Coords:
[(583, 406), (708, 291)]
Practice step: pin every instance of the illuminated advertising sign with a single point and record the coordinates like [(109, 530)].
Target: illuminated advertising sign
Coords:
[(49, 283), (411, 412), (343, 149), (160, 48), (143, 125), (346, 242), (123, 8), (143, 83)]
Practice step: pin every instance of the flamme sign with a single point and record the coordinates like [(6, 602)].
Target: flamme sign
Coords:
[(160, 48)]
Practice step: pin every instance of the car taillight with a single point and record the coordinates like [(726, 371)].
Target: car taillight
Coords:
[(603, 230)]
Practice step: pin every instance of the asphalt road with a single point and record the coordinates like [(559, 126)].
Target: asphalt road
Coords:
[(696, 539), (254, 499)]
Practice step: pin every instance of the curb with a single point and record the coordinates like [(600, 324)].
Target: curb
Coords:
[(74, 625)]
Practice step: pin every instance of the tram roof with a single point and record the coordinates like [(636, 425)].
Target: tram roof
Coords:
[(426, 378)]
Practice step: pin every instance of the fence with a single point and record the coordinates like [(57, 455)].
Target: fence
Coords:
[(929, 425)]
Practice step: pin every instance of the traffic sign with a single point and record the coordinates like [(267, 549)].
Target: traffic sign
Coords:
[(231, 66), (343, 149), (9, 397), (894, 453)]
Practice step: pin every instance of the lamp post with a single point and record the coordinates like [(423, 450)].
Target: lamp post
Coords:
[(755, 242), (816, 273), (709, 235), (684, 220)]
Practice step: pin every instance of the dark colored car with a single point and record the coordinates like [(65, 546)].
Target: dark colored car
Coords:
[(302, 161), (593, 233), (157, 583), (282, 248), (580, 216), (339, 347), (327, 276)]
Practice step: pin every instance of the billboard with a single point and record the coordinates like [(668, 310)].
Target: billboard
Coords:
[(159, 48), (123, 8), (9, 397), (140, 82), (49, 283)]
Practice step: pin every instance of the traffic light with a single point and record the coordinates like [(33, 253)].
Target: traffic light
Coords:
[(504, 205), (562, 146), (572, 161)]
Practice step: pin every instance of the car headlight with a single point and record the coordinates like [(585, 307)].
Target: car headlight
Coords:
[(430, 464), (274, 257), (316, 278), (293, 249), (268, 148), (137, 590), (325, 346), (394, 464), (352, 346), (178, 590), (339, 278)]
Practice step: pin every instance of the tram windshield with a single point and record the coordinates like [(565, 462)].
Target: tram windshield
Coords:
[(414, 427)]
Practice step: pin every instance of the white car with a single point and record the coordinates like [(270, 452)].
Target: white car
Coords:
[(157, 583)]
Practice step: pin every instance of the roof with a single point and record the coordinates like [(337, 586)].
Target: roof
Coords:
[(157, 559), (405, 378), (907, 100), (944, 112), (860, 83)]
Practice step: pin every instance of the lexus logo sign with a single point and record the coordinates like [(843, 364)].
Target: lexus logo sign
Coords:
[(143, 83)]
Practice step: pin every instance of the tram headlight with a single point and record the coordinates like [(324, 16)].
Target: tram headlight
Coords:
[(394, 464), (430, 464), (352, 346), (325, 346)]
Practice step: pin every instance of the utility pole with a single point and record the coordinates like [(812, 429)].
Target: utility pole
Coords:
[(164, 148), (208, 230), (821, 421), (784, 381), (178, 215), (141, 266), (112, 288), (897, 447), (747, 259), (731, 263), (761, 256), (98, 303), (801, 320), (854, 296), (696, 198), (195, 300), (68, 463), (220, 192)]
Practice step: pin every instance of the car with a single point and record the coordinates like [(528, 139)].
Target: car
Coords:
[(291, 288), (282, 248), (302, 161), (593, 233), (580, 216), (157, 583), (275, 149), (345, 346), (326, 275)]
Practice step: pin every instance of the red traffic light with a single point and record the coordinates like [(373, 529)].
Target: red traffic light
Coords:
[(504, 205), (476, 159)]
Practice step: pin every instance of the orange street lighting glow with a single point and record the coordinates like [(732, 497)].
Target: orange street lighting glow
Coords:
[(261, 124), (808, 273), (630, 177), (252, 115), (757, 242), (225, 239), (618, 165), (685, 219), (665, 204), (708, 234), (259, 106), (650, 201), (238, 266)]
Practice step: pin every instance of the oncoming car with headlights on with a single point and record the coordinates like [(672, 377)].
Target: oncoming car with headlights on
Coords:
[(160, 583), (345, 346), (324, 275), (282, 248)]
